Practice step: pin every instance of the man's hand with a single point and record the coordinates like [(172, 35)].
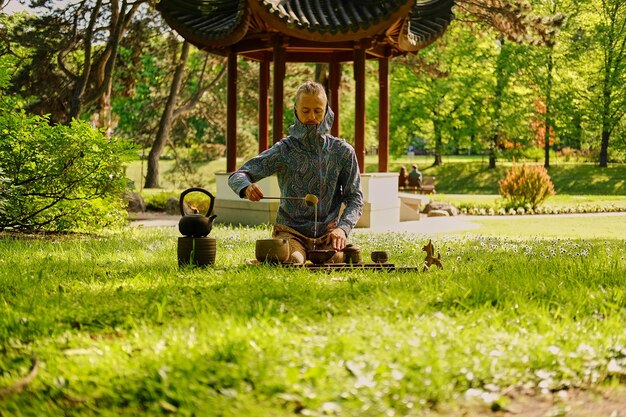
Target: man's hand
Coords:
[(253, 192), (338, 239)]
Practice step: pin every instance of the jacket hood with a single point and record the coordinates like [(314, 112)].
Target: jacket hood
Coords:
[(312, 134)]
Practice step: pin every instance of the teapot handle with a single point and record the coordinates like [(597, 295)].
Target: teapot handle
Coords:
[(201, 190)]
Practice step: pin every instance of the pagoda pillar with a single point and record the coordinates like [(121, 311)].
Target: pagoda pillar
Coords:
[(279, 90), (383, 114), (231, 113), (334, 81), (264, 104), (359, 104)]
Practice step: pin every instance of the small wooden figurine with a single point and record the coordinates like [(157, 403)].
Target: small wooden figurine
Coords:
[(430, 256)]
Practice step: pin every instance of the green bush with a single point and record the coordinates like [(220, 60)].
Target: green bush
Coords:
[(58, 177), (533, 154), (4, 191), (157, 201), (526, 186)]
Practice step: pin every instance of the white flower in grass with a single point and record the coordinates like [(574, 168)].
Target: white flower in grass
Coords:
[(490, 397), (160, 346), (478, 394), (613, 367), (473, 393), (397, 375), (555, 350), (586, 349), (331, 407)]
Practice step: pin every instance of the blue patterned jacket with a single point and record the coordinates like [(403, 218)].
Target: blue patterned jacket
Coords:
[(309, 161)]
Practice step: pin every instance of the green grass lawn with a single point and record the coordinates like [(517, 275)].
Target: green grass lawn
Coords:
[(205, 173), (458, 175), (462, 181), (561, 201), (117, 329), (552, 227), (468, 175)]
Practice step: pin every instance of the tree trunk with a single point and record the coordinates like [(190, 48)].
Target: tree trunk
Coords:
[(438, 144), (165, 124), (82, 97), (492, 154), (501, 81), (106, 113), (607, 99), (548, 120), (604, 148), (321, 76), (76, 103)]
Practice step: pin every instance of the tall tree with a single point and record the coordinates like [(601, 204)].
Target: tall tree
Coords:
[(75, 48), (172, 112), (515, 21), (437, 92), (502, 75), (611, 39), (547, 55), (165, 125)]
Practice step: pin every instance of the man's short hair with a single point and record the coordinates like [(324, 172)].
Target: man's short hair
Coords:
[(414, 166), (311, 88)]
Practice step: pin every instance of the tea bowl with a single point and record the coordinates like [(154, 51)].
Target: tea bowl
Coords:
[(274, 250), (320, 256), (379, 256)]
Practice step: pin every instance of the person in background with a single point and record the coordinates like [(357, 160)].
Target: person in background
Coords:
[(308, 161), (415, 177), (402, 178)]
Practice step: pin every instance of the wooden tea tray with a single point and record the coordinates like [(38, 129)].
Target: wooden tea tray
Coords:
[(358, 266)]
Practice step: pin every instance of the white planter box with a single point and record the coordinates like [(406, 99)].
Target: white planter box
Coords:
[(380, 197), (232, 209)]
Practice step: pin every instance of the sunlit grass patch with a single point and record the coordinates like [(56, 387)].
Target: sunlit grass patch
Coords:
[(117, 327)]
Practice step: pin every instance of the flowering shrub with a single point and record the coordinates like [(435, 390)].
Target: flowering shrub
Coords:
[(526, 186), (497, 210)]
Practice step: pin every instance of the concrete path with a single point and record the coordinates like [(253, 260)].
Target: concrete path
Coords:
[(426, 225), (154, 219), (430, 225), (461, 223)]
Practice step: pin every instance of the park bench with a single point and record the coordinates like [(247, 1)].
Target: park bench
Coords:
[(427, 186)]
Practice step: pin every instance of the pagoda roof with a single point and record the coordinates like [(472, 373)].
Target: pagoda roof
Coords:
[(325, 30)]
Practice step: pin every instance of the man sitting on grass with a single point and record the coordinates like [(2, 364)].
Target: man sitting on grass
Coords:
[(308, 161)]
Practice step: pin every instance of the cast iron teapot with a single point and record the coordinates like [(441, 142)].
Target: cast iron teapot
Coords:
[(196, 225)]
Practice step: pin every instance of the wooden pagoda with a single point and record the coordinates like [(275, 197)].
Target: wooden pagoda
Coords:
[(316, 31)]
